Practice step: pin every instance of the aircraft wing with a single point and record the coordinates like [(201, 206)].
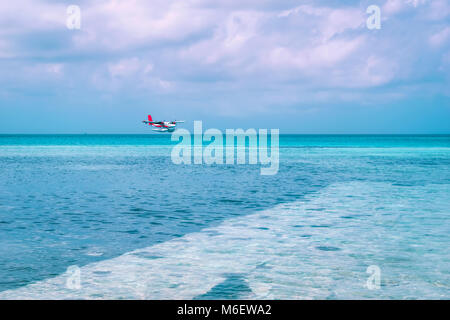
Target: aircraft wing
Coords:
[(153, 122), (178, 121)]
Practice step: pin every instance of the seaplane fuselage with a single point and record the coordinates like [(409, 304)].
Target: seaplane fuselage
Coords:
[(162, 126)]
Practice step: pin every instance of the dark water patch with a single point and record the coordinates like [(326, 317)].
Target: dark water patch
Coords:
[(231, 201), (240, 239), (133, 231), (212, 233), (328, 248), (316, 209), (239, 225), (405, 184), (233, 287), (263, 265), (294, 195), (146, 255), (183, 210)]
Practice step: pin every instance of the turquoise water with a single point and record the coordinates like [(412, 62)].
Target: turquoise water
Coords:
[(140, 226)]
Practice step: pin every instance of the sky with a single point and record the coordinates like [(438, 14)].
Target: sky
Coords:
[(299, 66)]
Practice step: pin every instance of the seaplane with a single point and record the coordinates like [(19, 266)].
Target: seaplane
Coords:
[(162, 126)]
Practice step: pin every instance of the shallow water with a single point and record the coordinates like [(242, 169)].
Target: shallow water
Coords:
[(142, 227)]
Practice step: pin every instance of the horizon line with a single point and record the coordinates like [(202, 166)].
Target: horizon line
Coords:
[(161, 134)]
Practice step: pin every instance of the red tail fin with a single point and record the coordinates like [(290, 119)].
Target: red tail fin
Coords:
[(150, 118)]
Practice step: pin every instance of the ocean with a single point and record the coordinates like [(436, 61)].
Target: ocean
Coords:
[(134, 225)]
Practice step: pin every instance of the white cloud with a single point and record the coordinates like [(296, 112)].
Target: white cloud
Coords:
[(229, 41), (125, 67), (307, 39), (328, 21), (441, 37), (117, 25), (21, 16), (439, 10), (55, 68), (429, 9), (377, 71), (321, 56), (129, 74), (41, 71), (235, 45), (392, 7), (165, 84)]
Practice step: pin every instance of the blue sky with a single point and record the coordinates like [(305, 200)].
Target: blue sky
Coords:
[(300, 66)]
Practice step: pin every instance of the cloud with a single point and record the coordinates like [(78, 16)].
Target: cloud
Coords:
[(22, 16), (305, 40), (55, 68), (230, 41), (392, 7), (118, 25), (441, 37), (320, 56), (328, 21), (244, 49), (125, 67), (129, 74), (438, 10)]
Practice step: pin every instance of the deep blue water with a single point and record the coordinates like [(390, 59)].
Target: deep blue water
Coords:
[(373, 199)]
